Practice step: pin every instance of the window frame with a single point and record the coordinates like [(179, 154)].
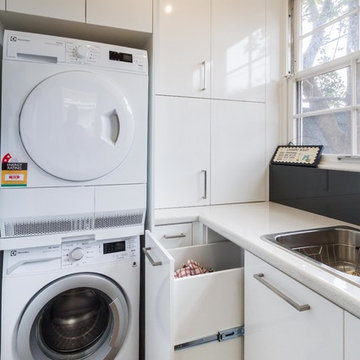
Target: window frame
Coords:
[(293, 75)]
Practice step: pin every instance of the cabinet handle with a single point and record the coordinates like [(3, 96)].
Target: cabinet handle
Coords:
[(152, 261), (167, 237), (205, 184), (203, 66), (298, 307)]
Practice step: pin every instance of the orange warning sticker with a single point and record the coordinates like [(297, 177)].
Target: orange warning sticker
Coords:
[(13, 174)]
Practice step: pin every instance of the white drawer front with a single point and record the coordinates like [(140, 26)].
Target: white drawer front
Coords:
[(174, 236), (206, 304), (179, 311)]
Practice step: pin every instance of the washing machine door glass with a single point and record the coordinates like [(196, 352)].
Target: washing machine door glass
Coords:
[(74, 320), (77, 125), (64, 321)]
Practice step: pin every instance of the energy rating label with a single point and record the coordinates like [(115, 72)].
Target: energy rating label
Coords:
[(13, 174)]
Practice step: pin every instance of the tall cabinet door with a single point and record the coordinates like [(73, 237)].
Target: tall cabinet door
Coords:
[(276, 329), (181, 152), (159, 273), (238, 49), (182, 47), (126, 14), (238, 169), (62, 9), (2, 4)]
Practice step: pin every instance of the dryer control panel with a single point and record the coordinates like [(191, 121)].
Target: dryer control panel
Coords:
[(52, 49)]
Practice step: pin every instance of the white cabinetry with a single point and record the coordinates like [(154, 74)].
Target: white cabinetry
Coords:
[(183, 145), (226, 36), (179, 311), (276, 330), (181, 151), (209, 49), (237, 152), (125, 14), (182, 47), (238, 49), (135, 15), (62, 9), (351, 337), (174, 235)]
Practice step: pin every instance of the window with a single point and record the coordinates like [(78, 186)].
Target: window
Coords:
[(326, 80)]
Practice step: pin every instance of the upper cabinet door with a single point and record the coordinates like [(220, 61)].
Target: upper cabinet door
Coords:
[(73, 10), (238, 50), (181, 152), (126, 14), (238, 165), (182, 47), (2, 4)]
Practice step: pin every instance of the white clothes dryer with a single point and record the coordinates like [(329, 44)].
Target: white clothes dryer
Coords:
[(78, 300), (73, 123)]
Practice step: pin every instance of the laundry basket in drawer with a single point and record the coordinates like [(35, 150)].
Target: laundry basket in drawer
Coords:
[(189, 318)]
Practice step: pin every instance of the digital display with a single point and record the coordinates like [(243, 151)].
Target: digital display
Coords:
[(114, 247), (116, 56)]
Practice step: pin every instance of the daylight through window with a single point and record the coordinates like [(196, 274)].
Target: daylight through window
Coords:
[(327, 75)]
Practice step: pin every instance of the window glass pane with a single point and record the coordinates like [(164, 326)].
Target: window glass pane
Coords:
[(331, 42), (331, 90), (315, 13), (331, 130)]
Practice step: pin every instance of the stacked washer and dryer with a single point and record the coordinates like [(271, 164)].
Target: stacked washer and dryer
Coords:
[(72, 198)]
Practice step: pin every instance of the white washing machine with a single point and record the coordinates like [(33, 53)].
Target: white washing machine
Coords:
[(78, 300), (73, 135)]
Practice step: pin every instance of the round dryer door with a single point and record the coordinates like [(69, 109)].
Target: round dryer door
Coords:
[(80, 316), (77, 125)]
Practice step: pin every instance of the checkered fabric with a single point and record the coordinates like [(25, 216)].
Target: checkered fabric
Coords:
[(191, 268)]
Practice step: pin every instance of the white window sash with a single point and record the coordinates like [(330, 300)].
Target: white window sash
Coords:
[(297, 75)]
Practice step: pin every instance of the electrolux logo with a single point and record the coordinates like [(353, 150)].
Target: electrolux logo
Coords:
[(13, 38), (13, 253)]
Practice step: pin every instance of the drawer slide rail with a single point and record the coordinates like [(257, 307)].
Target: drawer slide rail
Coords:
[(220, 337)]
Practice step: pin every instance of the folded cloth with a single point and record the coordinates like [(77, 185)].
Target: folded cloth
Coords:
[(191, 268)]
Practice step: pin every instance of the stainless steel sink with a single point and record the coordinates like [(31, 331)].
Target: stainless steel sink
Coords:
[(336, 249)]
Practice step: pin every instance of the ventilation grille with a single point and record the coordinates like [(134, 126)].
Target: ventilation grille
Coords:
[(61, 224), (119, 220), (43, 226)]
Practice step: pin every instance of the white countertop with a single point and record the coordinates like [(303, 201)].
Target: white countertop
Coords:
[(243, 224)]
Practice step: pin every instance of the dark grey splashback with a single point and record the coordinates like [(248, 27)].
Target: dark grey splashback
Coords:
[(326, 192)]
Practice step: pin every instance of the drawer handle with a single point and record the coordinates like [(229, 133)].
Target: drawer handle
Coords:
[(298, 307), (167, 237), (152, 261)]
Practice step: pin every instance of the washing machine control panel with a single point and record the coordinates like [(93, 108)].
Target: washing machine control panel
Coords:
[(86, 252)]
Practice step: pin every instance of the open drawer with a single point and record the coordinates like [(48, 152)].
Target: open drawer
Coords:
[(186, 314)]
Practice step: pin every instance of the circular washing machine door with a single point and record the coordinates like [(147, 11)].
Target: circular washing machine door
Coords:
[(77, 125), (80, 316)]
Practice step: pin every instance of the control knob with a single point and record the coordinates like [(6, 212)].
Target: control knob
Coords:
[(77, 254), (82, 52)]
